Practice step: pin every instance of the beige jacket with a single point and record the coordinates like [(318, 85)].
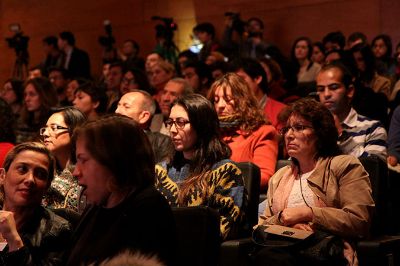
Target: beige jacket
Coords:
[(342, 183)]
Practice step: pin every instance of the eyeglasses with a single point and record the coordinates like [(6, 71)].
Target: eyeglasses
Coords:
[(331, 87), (52, 128), (179, 123), (296, 129)]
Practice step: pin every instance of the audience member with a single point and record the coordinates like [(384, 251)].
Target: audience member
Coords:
[(243, 125), (356, 38), (39, 97), (134, 79), (54, 57), (218, 69), (7, 134), (71, 88), (140, 106), (152, 59), (13, 93), (35, 72), (76, 61), (334, 41), (184, 57), (91, 100), (199, 76), (160, 74), (114, 77), (199, 172), (382, 48), (205, 33), (254, 75), (130, 55), (358, 135), (301, 56), (59, 77), (34, 235), (274, 77), (64, 191), (115, 167), (320, 190), (318, 54)]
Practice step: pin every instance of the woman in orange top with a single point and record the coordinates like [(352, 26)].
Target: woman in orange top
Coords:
[(243, 125)]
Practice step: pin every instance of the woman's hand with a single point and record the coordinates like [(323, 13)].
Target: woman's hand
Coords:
[(305, 227), (8, 230), (292, 216)]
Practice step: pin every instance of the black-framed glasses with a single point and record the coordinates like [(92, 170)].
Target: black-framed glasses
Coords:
[(298, 128), (179, 122), (53, 128)]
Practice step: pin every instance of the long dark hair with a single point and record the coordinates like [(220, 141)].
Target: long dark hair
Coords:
[(209, 149)]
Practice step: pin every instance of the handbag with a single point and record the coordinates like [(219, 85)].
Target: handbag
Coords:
[(318, 247)]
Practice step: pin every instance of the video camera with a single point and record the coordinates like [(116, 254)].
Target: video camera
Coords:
[(165, 30), (18, 42), (107, 41), (238, 24)]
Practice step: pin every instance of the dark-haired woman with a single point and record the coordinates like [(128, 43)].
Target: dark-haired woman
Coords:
[(115, 167), (243, 125), (301, 56), (321, 189), (64, 191), (39, 97), (33, 234), (382, 48), (200, 172), (13, 94)]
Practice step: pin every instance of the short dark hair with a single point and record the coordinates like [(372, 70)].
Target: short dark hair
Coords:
[(347, 77), (322, 122), (65, 73), (51, 40), (119, 144), (258, 20), (205, 27), (202, 70), (253, 68), (357, 35), (68, 36), (96, 93), (134, 44), (335, 37)]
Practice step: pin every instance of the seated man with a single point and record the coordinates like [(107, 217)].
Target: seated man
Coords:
[(358, 135), (140, 106)]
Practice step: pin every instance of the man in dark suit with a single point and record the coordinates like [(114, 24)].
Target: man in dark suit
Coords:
[(76, 61)]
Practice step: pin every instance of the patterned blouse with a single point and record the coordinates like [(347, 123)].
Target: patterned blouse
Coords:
[(64, 191), (226, 191)]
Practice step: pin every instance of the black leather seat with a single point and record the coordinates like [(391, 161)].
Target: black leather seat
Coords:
[(198, 233), (235, 252)]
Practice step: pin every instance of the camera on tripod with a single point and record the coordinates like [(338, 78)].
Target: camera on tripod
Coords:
[(107, 41), (18, 42), (165, 30)]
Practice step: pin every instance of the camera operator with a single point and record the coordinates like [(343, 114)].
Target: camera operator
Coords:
[(244, 39), (76, 61), (165, 39), (205, 32), (130, 55), (54, 57)]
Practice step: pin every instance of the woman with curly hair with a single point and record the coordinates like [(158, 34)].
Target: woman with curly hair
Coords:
[(243, 125)]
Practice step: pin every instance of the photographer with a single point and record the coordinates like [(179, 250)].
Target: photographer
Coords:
[(244, 39), (205, 33), (165, 39)]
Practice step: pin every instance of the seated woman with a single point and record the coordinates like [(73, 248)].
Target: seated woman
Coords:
[(91, 100), (243, 125), (13, 94), (34, 235), (39, 97), (115, 167), (64, 190), (321, 189), (200, 173)]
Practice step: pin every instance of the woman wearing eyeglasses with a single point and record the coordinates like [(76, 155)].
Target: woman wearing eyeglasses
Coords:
[(321, 189), (243, 125), (200, 172), (64, 190)]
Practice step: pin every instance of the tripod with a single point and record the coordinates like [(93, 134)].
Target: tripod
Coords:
[(20, 70)]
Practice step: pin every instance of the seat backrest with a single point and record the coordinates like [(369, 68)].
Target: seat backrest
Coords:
[(378, 175), (252, 178), (282, 163), (198, 232)]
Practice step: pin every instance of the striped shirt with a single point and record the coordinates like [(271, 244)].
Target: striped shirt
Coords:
[(363, 136)]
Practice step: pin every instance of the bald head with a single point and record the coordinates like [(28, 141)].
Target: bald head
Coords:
[(137, 105)]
